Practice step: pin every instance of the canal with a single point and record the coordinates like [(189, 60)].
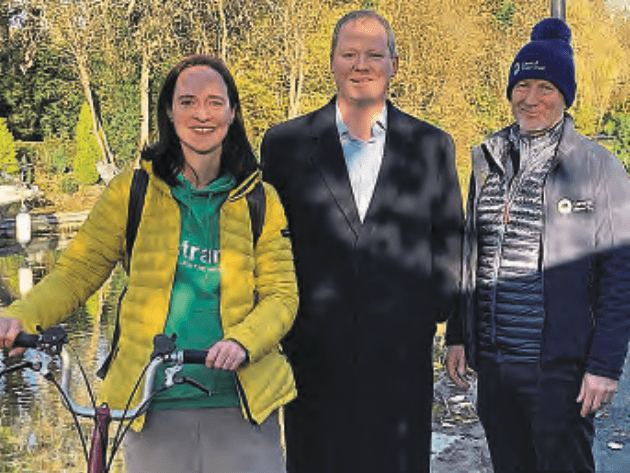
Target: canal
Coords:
[(36, 432)]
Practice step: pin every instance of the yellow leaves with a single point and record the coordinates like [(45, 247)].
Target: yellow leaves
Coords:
[(454, 54), (598, 54), (453, 65)]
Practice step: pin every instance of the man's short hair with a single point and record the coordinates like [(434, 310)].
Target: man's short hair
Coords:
[(358, 15)]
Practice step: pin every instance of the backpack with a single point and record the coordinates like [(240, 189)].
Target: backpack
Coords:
[(255, 202)]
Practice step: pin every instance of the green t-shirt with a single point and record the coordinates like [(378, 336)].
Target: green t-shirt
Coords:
[(194, 313)]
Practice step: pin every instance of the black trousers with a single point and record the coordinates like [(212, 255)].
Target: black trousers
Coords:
[(531, 417)]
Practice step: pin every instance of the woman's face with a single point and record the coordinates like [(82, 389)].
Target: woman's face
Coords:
[(201, 112)]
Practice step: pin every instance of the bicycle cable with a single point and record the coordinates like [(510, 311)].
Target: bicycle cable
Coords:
[(118, 436), (83, 375), (52, 379)]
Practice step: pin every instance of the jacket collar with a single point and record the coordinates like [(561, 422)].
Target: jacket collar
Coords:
[(493, 147), (569, 139), (239, 191), (246, 186), (327, 157), (159, 184)]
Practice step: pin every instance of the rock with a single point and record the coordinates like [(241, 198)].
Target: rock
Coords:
[(615, 445), (107, 171)]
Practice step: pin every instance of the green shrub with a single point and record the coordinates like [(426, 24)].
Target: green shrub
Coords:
[(87, 150), (618, 126), (8, 150), (53, 155), (69, 184), (59, 161)]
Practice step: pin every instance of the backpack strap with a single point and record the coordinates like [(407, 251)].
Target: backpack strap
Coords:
[(257, 207), (137, 193)]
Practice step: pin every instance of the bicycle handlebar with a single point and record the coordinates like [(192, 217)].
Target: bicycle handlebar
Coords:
[(50, 344), (52, 341), (25, 340), (179, 357), (195, 357)]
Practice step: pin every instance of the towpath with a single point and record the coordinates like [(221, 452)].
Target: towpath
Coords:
[(459, 444)]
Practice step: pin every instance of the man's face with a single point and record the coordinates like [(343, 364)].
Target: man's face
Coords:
[(537, 105), (361, 63)]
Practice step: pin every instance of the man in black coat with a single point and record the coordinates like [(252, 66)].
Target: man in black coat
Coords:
[(374, 209)]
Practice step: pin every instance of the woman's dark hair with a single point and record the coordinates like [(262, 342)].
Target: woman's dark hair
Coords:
[(237, 156)]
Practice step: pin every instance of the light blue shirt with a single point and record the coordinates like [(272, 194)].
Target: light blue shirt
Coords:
[(363, 159)]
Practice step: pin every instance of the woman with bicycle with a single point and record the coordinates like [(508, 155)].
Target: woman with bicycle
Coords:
[(197, 270)]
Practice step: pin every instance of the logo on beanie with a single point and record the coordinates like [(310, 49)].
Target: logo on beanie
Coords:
[(517, 68), (528, 66)]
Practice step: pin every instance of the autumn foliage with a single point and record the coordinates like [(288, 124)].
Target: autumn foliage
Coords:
[(454, 58)]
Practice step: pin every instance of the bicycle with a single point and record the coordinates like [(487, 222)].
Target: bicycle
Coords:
[(50, 348)]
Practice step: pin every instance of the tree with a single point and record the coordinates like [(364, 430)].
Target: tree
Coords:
[(150, 27), (281, 64), (8, 162), (87, 149), (598, 43), (43, 99), (454, 58), (4, 36), (79, 26)]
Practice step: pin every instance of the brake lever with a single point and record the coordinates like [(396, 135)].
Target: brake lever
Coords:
[(52, 340), (170, 374), (192, 382)]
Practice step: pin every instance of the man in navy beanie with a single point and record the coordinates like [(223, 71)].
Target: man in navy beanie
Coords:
[(545, 312)]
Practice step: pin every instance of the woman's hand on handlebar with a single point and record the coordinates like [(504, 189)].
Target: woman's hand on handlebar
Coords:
[(9, 328), (226, 355)]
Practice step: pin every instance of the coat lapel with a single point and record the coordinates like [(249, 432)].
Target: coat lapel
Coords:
[(328, 158), (393, 158)]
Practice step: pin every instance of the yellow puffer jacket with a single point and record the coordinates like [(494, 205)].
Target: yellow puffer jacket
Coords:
[(266, 274)]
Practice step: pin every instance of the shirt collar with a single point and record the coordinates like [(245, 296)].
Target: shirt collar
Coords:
[(379, 127)]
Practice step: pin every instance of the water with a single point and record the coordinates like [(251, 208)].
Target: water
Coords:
[(36, 432)]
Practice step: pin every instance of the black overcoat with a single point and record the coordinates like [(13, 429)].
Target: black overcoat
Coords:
[(370, 292)]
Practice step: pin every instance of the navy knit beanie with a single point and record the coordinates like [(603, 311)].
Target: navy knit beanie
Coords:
[(547, 56)]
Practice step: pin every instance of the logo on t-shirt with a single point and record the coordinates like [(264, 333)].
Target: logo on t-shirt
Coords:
[(192, 256)]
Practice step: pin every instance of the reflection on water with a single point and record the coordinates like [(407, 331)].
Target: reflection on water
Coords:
[(36, 431)]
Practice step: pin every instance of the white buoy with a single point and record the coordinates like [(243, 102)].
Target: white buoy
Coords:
[(25, 277), (23, 226)]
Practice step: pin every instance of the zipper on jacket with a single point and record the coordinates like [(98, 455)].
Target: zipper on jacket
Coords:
[(241, 395), (510, 189), (498, 258)]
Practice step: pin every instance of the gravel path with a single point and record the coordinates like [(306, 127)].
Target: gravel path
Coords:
[(459, 444), (612, 430)]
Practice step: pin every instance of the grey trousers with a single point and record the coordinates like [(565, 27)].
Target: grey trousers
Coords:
[(212, 440)]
